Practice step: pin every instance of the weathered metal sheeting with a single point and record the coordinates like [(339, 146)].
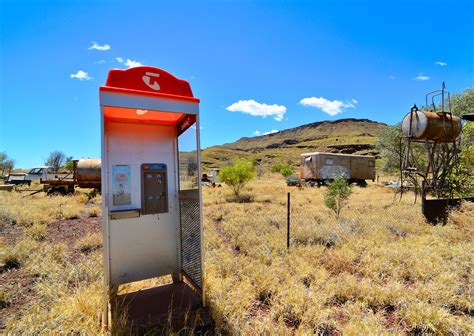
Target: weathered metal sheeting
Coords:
[(88, 170), (320, 166), (440, 127)]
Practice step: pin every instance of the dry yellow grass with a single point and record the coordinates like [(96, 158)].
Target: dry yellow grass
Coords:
[(380, 269)]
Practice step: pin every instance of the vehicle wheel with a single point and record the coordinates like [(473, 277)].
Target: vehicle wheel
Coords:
[(362, 183), (56, 192)]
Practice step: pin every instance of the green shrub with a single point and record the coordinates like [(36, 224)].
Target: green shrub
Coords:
[(237, 175), (337, 194), (286, 171)]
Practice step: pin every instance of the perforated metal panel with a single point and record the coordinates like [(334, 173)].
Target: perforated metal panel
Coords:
[(191, 235)]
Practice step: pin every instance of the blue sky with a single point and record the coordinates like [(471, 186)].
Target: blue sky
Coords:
[(255, 65)]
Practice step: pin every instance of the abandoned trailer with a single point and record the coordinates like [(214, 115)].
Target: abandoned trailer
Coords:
[(320, 168)]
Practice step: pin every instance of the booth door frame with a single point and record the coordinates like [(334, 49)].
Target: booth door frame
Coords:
[(196, 286)]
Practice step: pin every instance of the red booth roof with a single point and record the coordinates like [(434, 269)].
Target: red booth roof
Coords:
[(148, 81)]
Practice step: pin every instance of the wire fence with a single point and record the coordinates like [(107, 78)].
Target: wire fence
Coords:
[(294, 225)]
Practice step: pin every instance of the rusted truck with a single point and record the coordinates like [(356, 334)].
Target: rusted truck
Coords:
[(319, 168), (86, 173)]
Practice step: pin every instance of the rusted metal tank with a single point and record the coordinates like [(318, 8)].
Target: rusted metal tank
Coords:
[(441, 127), (88, 173)]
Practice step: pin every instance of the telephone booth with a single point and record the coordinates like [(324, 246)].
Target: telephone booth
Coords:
[(151, 197)]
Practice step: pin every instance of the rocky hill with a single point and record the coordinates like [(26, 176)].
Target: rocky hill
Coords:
[(339, 136)]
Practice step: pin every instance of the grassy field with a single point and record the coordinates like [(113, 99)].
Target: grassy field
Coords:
[(379, 268)]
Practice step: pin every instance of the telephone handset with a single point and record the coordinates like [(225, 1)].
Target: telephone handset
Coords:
[(150, 82)]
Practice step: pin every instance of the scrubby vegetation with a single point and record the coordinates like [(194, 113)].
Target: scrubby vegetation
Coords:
[(238, 175), (337, 194), (378, 268)]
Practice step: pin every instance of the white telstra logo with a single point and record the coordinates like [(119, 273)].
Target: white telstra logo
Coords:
[(152, 83)]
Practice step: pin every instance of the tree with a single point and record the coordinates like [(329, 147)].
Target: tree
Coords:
[(388, 143), (237, 175), (6, 164), (463, 176), (337, 194), (463, 103), (55, 159), (69, 163)]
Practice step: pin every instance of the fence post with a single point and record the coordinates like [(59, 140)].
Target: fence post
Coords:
[(288, 223)]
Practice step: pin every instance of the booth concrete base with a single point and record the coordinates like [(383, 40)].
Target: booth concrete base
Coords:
[(171, 307)]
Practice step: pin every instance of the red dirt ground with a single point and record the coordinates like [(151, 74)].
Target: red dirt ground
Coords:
[(18, 283)]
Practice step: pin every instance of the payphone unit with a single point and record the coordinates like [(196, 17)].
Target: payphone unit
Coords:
[(151, 197), (154, 188)]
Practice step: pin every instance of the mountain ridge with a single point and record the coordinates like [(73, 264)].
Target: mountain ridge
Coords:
[(347, 135)]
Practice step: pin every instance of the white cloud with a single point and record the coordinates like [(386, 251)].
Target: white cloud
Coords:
[(270, 132), (97, 46), (255, 108), (392, 77), (421, 77), (132, 64), (441, 63), (100, 62), (256, 133), (331, 107), (81, 75), (129, 63)]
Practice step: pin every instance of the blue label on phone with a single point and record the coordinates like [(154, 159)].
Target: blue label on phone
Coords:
[(154, 166)]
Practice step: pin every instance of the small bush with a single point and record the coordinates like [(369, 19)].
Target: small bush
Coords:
[(286, 171), (91, 242), (337, 194), (94, 211), (4, 299), (238, 175), (37, 231), (11, 260)]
